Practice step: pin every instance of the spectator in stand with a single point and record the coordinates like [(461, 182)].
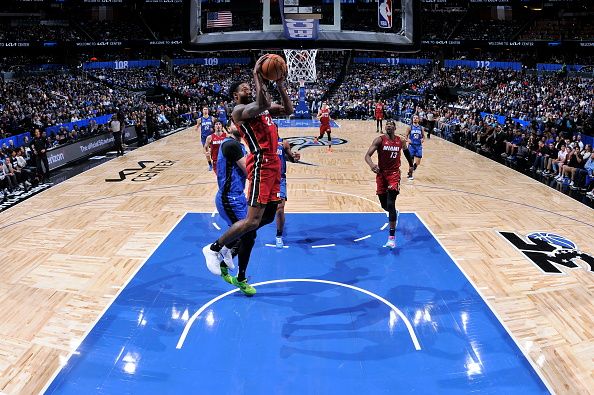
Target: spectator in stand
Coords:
[(573, 161), (511, 147), (10, 174), (21, 164), (586, 174), (140, 131), (5, 183), (579, 171), (556, 165), (538, 157)]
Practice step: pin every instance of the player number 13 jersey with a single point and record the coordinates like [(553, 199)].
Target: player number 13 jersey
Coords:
[(389, 154)]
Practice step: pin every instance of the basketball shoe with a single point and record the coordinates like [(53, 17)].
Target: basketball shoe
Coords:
[(279, 242), (213, 260), (227, 257), (410, 174), (391, 243), (243, 286), (225, 275)]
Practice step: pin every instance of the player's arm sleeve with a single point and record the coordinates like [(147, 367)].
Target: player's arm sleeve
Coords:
[(232, 151)]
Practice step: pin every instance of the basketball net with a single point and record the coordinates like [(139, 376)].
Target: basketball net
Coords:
[(301, 64)]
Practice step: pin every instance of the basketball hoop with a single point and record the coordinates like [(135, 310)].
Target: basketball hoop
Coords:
[(301, 65)]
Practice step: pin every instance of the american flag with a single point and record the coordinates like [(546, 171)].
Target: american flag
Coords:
[(219, 19)]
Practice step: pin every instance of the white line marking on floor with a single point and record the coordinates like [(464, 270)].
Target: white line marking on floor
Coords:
[(274, 245), (393, 308), (324, 246)]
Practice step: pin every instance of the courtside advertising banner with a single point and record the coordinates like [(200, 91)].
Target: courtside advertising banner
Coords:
[(64, 154), (384, 14)]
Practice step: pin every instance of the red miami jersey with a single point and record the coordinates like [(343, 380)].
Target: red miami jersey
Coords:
[(389, 154), (325, 117), (261, 135), (215, 144), (262, 164), (379, 110)]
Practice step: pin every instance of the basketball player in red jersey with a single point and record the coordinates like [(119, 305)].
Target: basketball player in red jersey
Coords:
[(213, 142), (324, 117), (253, 118), (389, 148), (379, 116)]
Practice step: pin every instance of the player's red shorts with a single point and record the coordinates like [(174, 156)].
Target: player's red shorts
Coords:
[(325, 128), (387, 180), (264, 176), (379, 117), (214, 167)]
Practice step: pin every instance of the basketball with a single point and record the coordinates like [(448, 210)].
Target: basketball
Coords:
[(274, 67)]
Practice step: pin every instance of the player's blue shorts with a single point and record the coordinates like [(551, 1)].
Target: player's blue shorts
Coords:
[(283, 188), (416, 150), (231, 208), (203, 139)]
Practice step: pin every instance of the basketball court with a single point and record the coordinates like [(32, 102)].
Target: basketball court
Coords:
[(118, 299)]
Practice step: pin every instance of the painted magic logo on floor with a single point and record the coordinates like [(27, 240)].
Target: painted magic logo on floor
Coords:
[(298, 143), (139, 174), (550, 251)]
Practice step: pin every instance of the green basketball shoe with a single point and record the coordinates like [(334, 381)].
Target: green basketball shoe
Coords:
[(243, 286), (225, 274)]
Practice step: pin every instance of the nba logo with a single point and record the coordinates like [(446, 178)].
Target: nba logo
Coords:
[(384, 14)]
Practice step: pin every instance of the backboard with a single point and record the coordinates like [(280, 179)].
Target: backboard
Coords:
[(382, 25)]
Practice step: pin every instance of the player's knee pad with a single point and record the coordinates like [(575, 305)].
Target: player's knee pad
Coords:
[(329, 137)]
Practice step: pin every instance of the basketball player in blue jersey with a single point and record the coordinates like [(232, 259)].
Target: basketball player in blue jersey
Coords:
[(415, 137), (230, 200), (222, 115), (206, 125), (284, 153)]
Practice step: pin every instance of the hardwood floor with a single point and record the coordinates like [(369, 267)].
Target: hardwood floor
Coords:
[(66, 252)]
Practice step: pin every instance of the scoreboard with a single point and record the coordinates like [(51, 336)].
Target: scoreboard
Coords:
[(302, 9)]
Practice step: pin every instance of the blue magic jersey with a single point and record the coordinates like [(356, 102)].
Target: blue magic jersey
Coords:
[(416, 134), (206, 126), (222, 114), (230, 177), (280, 151)]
